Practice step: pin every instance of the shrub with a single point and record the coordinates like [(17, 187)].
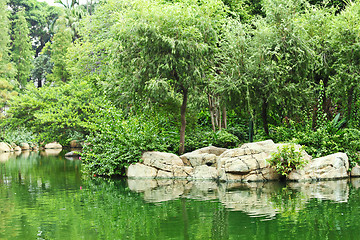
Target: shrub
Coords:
[(54, 113), (287, 159), (118, 141), (330, 138), (17, 135)]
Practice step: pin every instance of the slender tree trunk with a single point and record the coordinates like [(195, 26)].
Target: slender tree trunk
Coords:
[(264, 116), (211, 109), (39, 84), (224, 117), (220, 117), (183, 121), (349, 102), (251, 129)]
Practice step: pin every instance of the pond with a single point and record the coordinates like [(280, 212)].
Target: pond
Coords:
[(45, 197)]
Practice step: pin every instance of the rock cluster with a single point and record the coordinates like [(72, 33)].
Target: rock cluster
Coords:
[(248, 163)]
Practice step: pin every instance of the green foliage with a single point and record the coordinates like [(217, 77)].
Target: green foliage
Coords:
[(287, 159), (40, 16), (17, 135), (6, 92), (6, 67), (58, 50), (21, 49), (54, 113), (328, 139), (118, 141), (42, 67)]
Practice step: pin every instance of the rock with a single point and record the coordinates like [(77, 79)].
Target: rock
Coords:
[(334, 166), (75, 144), (25, 146), (204, 172), (247, 163), (72, 154), (17, 149), (197, 159), (164, 174), (182, 172), (139, 170), (355, 171), (161, 160), (211, 150), (5, 147), (206, 155), (53, 145)]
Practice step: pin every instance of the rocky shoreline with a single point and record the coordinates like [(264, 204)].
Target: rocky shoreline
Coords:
[(248, 163)]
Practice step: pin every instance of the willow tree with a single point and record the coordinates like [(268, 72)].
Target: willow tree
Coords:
[(164, 48), (345, 41), (267, 63)]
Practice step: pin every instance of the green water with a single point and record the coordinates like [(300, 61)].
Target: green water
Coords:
[(45, 197)]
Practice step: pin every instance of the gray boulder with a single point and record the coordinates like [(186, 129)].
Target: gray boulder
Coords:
[(139, 170), (204, 172), (25, 146), (53, 145), (161, 160), (17, 149), (5, 147), (355, 171), (247, 163), (334, 166), (202, 156)]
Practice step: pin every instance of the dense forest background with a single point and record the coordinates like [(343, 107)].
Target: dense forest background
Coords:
[(127, 76)]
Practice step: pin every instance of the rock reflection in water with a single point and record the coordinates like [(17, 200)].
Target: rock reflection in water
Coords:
[(51, 152), (355, 182), (256, 199), (5, 156)]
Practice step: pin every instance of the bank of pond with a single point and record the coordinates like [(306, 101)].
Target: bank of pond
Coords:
[(47, 197)]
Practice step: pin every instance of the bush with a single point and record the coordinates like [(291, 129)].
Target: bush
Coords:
[(54, 113), (119, 141), (287, 159), (330, 138), (17, 136), (202, 137)]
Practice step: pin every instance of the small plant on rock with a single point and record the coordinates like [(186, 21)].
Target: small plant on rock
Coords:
[(287, 159)]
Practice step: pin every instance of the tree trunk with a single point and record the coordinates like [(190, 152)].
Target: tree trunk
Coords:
[(39, 83), (251, 129), (224, 117), (183, 121), (220, 117), (211, 109), (264, 116), (349, 102)]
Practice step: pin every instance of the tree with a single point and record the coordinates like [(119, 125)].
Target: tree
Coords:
[(167, 47), (267, 63), (40, 16), (42, 67), (6, 67), (61, 41), (345, 42), (21, 49)]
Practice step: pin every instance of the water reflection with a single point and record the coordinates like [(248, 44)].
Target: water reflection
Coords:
[(256, 199), (46, 198)]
